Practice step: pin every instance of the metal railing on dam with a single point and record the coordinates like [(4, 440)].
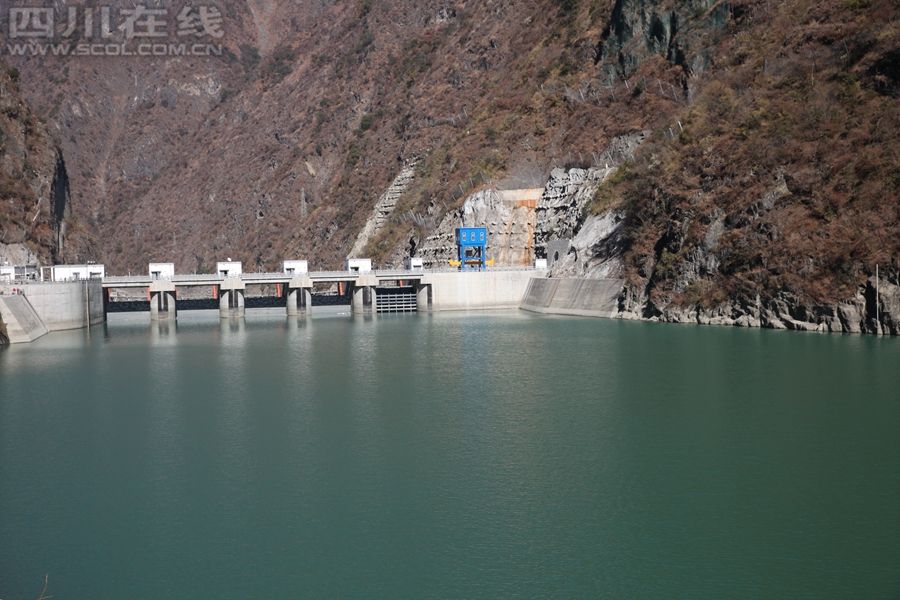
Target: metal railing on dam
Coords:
[(122, 281)]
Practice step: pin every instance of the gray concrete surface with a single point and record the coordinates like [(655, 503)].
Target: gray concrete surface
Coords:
[(61, 305), (582, 297), (479, 290), (22, 322)]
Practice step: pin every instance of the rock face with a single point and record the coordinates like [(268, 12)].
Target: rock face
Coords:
[(785, 311), (510, 221), (34, 184), (596, 251), (18, 254), (383, 209), (522, 223), (561, 210), (600, 243), (638, 29)]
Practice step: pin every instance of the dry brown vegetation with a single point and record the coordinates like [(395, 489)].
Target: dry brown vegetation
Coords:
[(343, 94), (792, 105), (27, 167), (791, 138)]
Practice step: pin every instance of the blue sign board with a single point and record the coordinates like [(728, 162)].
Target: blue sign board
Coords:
[(471, 248)]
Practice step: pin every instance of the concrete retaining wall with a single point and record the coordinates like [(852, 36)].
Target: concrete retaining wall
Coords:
[(22, 322), (583, 297), (60, 305), (476, 290)]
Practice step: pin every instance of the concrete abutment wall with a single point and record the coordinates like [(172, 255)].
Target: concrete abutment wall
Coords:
[(581, 297), (21, 322), (62, 305), (479, 290)]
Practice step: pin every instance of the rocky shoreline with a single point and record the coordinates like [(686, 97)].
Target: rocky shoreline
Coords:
[(614, 299), (785, 311), (595, 246)]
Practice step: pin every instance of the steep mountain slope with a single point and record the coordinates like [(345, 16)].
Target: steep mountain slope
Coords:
[(34, 193), (188, 159), (769, 170), (777, 185)]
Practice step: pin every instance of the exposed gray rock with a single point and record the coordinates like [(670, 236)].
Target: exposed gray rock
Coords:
[(520, 230), (622, 147), (888, 307), (561, 209), (556, 250), (444, 15), (510, 226), (596, 251), (782, 312), (639, 28), (715, 231), (17, 254)]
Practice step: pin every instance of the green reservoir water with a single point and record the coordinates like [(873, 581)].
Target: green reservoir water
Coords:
[(481, 455)]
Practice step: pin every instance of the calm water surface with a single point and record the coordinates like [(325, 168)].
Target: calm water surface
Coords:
[(449, 456)]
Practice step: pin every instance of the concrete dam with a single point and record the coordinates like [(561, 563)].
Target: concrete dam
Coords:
[(33, 308), (366, 292)]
